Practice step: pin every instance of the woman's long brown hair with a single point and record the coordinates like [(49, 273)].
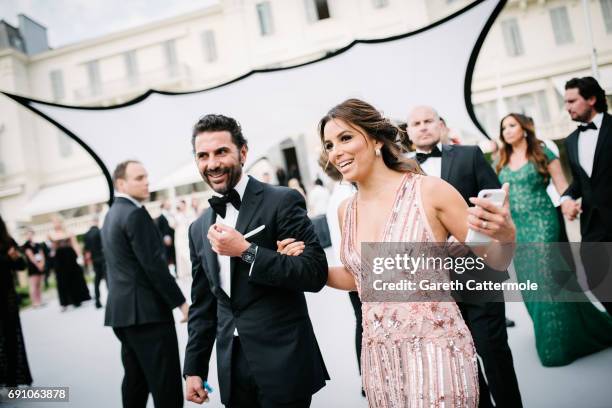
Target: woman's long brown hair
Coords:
[(535, 152), (356, 112)]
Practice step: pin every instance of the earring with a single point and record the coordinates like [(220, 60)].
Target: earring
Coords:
[(377, 152), (525, 134)]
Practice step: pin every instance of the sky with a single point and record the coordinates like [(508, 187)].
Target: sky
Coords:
[(70, 21)]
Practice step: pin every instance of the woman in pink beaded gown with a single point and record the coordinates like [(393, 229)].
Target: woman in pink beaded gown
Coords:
[(414, 354)]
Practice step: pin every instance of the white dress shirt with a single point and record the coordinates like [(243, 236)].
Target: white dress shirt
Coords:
[(587, 142), (551, 190), (318, 198), (433, 165), (342, 191), (231, 216), (128, 197)]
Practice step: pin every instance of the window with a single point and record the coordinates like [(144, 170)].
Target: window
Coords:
[(531, 104), (264, 14), (57, 90), (209, 46), (131, 67), (93, 75), (606, 11), (561, 26), (170, 56), (57, 85), (316, 10), (380, 3), (487, 115), (512, 37)]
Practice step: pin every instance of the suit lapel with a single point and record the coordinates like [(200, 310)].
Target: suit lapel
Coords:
[(601, 141), (210, 257), (250, 202), (572, 147), (448, 154)]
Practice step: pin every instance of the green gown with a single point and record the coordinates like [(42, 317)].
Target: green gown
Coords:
[(564, 331)]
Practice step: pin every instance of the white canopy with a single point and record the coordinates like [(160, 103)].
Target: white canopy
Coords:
[(73, 194), (431, 66)]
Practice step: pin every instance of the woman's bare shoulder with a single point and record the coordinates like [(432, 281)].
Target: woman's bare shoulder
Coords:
[(437, 191)]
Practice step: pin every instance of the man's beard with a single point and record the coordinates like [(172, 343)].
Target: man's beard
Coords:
[(585, 117), (233, 177)]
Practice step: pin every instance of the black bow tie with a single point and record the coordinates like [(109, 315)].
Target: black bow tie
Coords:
[(435, 152), (584, 128), (219, 204)]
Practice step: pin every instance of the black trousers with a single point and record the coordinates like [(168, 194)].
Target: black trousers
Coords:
[(150, 357), (244, 391), (487, 323), (99, 268), (597, 262), (356, 303)]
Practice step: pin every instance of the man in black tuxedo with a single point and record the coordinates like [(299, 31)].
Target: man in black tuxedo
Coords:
[(589, 150), (167, 232), (244, 293), (95, 254), (466, 169), (141, 296)]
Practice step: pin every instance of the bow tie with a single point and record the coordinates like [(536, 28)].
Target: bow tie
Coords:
[(219, 204), (584, 128), (435, 152)]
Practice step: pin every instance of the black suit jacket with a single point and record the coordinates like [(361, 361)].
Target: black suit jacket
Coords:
[(268, 307), (140, 287), (466, 169), (596, 191), (93, 244), (164, 226)]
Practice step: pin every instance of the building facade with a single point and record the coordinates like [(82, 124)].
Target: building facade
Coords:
[(533, 47)]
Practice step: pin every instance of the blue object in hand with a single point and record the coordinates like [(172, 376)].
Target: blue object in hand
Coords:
[(207, 387)]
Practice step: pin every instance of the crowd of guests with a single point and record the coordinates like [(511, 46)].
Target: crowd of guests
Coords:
[(255, 251)]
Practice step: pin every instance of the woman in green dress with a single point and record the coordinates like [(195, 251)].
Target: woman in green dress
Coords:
[(564, 330)]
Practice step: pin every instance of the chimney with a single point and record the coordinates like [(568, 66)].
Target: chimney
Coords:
[(33, 34)]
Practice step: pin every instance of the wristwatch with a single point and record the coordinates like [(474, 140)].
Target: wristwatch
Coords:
[(248, 255)]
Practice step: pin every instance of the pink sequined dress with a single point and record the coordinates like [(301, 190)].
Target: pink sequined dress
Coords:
[(414, 354)]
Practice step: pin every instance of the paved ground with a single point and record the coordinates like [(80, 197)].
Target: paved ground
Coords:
[(74, 349)]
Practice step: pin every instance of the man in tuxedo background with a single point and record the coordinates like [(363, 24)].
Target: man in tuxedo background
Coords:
[(141, 295), (95, 254), (245, 294), (589, 150), (466, 169), (163, 223)]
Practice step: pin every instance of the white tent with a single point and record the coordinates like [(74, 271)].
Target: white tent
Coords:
[(431, 66)]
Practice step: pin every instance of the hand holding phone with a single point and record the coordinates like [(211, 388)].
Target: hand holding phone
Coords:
[(496, 197)]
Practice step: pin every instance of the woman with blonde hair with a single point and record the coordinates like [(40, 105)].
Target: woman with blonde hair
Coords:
[(71, 286)]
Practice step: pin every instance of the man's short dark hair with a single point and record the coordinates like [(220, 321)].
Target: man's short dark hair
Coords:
[(219, 123), (120, 170), (587, 88)]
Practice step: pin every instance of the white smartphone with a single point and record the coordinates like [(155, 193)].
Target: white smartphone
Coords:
[(497, 197)]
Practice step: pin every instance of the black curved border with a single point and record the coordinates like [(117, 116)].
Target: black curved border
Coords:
[(26, 103), (469, 72), (22, 100)]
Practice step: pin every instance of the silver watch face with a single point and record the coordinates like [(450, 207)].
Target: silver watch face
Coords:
[(248, 257)]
